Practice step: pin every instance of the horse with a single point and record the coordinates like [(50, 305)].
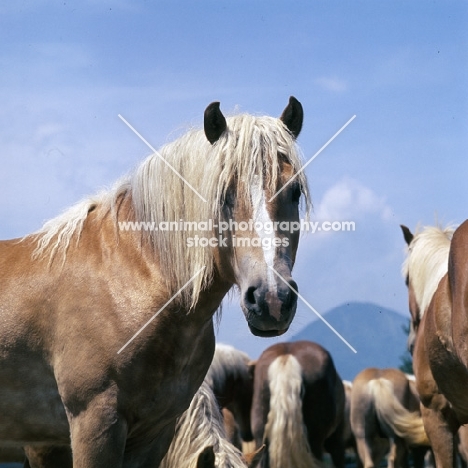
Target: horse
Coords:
[(230, 376), (463, 446), (385, 415), (202, 423), (107, 310), (348, 436), (297, 407), (199, 429), (436, 275)]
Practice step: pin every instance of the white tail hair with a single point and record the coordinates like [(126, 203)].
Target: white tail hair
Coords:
[(285, 432), (394, 416)]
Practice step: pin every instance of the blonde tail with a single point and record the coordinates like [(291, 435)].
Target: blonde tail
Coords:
[(285, 432), (393, 414)]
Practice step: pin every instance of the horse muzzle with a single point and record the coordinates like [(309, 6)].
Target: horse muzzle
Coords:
[(269, 313)]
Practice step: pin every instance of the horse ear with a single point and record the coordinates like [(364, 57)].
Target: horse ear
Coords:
[(293, 116), (206, 459), (407, 234), (214, 122), (253, 459)]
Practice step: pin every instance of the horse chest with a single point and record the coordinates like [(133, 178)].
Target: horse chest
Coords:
[(174, 379)]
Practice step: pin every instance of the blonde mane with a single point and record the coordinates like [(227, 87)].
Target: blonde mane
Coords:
[(285, 431), (247, 154), (201, 426), (427, 262)]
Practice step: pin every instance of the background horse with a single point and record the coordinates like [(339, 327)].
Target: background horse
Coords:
[(435, 271), (297, 409), (201, 426), (230, 376), (97, 345), (385, 409), (348, 436)]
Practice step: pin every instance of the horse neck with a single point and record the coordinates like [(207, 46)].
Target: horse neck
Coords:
[(216, 287), (427, 264)]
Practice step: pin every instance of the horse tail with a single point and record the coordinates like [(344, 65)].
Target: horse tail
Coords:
[(394, 416), (285, 432)]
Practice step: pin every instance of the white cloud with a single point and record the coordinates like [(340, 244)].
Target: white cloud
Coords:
[(334, 84), (348, 199)]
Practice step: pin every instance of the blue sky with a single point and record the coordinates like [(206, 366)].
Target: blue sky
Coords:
[(67, 69)]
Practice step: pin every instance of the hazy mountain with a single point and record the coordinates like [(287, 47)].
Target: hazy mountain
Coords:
[(375, 332)]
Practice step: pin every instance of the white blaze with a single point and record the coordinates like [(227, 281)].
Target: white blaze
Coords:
[(261, 216)]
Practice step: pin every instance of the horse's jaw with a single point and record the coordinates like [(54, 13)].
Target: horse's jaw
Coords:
[(266, 333)]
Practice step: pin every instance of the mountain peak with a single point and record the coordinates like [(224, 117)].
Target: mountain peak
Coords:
[(376, 332)]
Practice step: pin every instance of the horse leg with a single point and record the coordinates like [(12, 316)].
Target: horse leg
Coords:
[(366, 452), (98, 435), (418, 455), (151, 455), (48, 457), (392, 454), (335, 446), (398, 456), (400, 453), (440, 431)]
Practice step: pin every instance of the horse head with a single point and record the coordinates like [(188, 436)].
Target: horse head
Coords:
[(412, 303), (424, 267), (259, 214)]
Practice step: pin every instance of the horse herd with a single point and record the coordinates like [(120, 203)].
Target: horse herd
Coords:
[(107, 337)]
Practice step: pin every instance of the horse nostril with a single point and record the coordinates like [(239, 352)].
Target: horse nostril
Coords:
[(250, 296), (252, 300), (288, 295)]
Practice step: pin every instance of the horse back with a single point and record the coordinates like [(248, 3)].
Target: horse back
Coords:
[(323, 397), (363, 405)]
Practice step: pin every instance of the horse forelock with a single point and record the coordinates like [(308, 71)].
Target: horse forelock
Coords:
[(250, 152), (251, 147), (200, 426), (427, 262)]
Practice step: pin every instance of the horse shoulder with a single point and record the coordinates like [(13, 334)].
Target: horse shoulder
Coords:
[(458, 279)]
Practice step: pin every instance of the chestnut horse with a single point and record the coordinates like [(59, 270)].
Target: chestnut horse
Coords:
[(298, 406), (436, 272), (230, 376), (348, 436), (107, 311), (385, 415)]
